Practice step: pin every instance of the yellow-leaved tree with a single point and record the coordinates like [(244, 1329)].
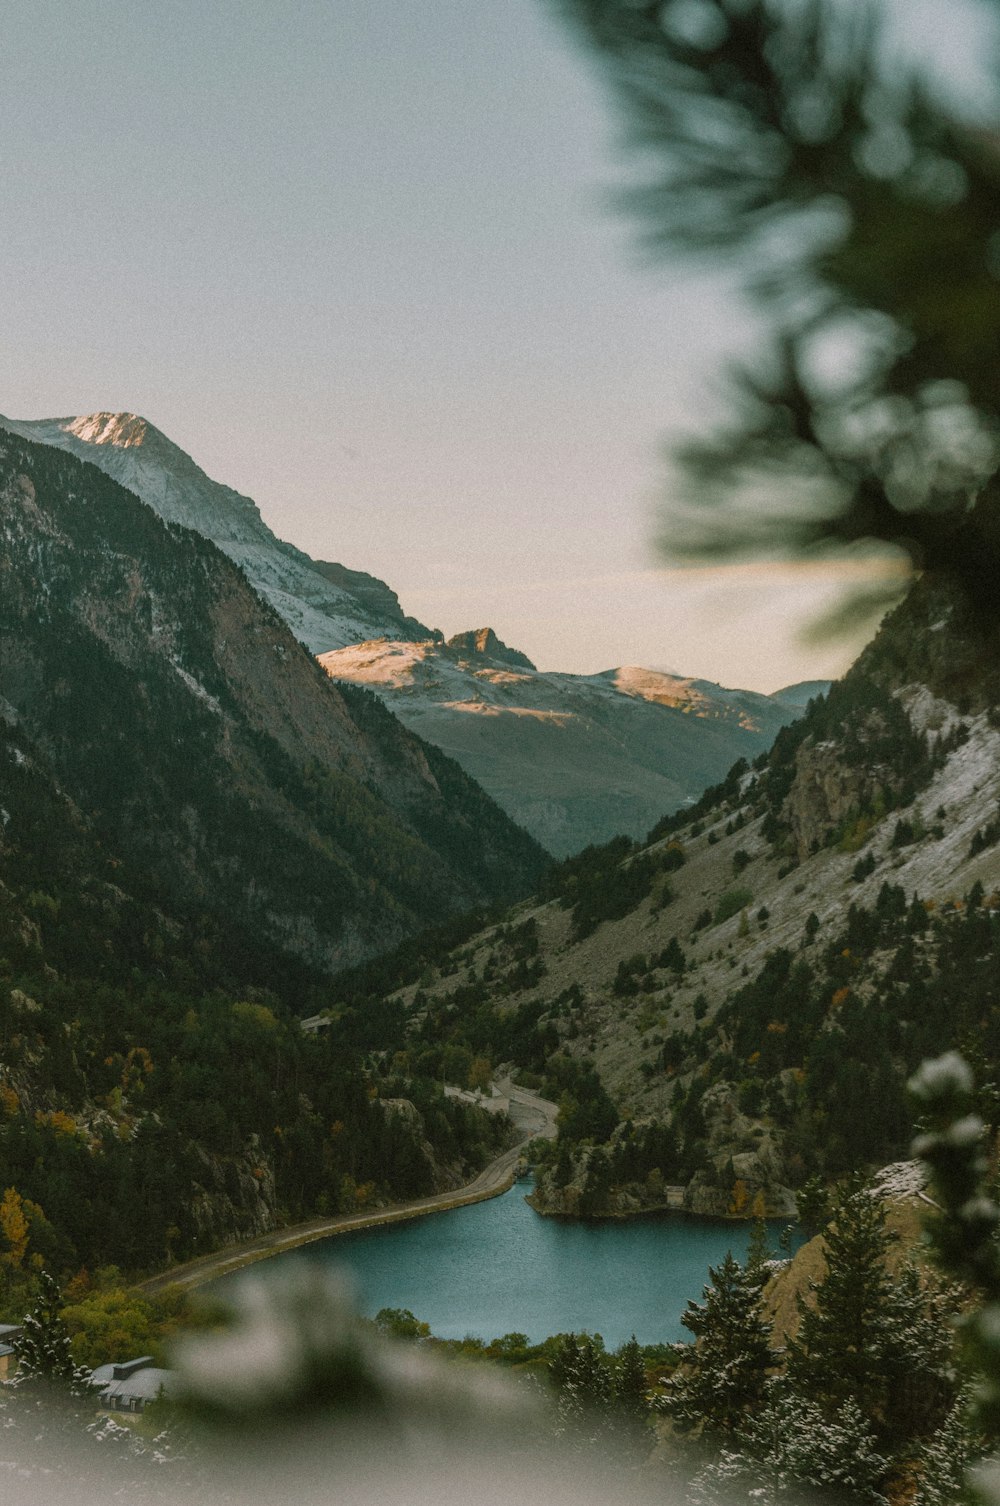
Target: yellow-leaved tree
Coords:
[(13, 1229)]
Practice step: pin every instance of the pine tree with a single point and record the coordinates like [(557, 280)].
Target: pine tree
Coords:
[(43, 1345), (793, 1446), (838, 1353), (726, 1374), (758, 1251), (631, 1403), (630, 1385), (563, 1364), (945, 1460), (881, 1343), (592, 1378), (918, 1355), (584, 1406)]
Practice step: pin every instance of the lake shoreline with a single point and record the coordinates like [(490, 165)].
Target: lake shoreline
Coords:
[(537, 1116), (659, 1211)]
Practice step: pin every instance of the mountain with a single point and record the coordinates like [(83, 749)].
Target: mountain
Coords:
[(734, 1007), (205, 747), (196, 828), (574, 759), (325, 605)]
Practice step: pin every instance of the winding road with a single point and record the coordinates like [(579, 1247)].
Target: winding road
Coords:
[(534, 1117)]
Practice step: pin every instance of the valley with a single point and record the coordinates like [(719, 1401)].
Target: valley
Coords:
[(509, 1062), (684, 998), (263, 945), (736, 1004)]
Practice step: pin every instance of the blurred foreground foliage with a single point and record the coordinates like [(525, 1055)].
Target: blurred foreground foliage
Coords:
[(856, 203)]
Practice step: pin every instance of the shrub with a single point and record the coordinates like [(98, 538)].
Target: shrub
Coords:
[(730, 904)]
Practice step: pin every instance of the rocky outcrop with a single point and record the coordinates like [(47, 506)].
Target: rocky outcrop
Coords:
[(745, 1177), (825, 792), (484, 641), (231, 1199)]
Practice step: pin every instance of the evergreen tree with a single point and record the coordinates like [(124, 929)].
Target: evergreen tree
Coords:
[(882, 1343), (792, 1446), (630, 1386), (919, 1355), (726, 1374), (838, 1353), (945, 1460), (43, 1345), (758, 1251), (564, 1362), (812, 1203), (584, 1407), (631, 1404), (592, 1377)]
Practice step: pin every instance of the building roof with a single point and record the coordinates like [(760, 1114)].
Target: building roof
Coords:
[(132, 1380), (142, 1385), (120, 1370)]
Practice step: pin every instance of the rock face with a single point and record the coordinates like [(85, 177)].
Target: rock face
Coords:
[(232, 1199), (574, 759), (825, 792), (325, 605), (169, 701), (484, 641)]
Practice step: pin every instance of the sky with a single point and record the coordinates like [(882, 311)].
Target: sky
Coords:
[(364, 263)]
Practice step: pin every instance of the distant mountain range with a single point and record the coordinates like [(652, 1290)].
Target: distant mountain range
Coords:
[(574, 759)]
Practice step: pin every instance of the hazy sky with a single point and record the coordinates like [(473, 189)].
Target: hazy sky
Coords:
[(361, 262)]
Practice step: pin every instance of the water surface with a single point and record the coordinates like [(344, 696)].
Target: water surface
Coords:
[(498, 1267)]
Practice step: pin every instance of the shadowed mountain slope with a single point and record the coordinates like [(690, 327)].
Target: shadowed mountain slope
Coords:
[(204, 747)]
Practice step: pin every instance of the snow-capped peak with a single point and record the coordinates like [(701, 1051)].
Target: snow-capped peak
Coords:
[(326, 606)]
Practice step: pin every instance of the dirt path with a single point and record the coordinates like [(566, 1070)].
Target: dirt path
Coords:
[(534, 1117)]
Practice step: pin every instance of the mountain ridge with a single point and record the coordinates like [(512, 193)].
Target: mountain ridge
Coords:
[(325, 605), (576, 760)]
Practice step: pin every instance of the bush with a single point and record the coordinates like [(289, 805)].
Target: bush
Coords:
[(730, 904)]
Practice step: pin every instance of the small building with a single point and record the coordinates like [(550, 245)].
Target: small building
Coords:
[(130, 1386), (8, 1354)]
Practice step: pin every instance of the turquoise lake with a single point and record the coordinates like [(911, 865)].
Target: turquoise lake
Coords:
[(498, 1267)]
